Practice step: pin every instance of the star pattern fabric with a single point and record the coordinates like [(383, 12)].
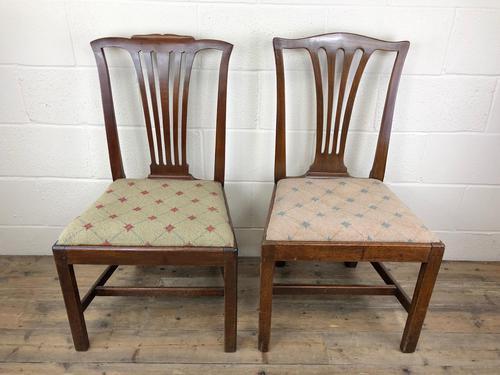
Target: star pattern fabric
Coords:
[(342, 209), (154, 212)]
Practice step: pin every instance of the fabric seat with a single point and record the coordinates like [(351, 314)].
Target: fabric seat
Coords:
[(342, 209), (154, 212)]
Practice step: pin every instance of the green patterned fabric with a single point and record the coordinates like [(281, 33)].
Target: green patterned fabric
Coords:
[(154, 212), (342, 209)]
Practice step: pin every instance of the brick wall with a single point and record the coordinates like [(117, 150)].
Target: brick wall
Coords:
[(445, 151)]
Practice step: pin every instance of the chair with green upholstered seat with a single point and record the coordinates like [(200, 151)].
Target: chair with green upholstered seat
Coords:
[(169, 218)]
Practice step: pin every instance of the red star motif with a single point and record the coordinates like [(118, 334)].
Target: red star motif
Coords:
[(152, 217), (192, 217), (195, 200), (144, 192), (212, 209), (165, 185), (137, 209), (169, 228), (198, 185), (99, 206), (210, 228), (131, 184), (174, 209), (106, 243), (179, 192), (123, 199), (109, 191), (214, 193), (128, 227), (159, 201), (88, 226), (113, 216)]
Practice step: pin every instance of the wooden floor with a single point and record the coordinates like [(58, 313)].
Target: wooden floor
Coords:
[(311, 335)]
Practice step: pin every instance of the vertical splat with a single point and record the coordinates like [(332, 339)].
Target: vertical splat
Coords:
[(330, 144), (332, 129), (163, 65)]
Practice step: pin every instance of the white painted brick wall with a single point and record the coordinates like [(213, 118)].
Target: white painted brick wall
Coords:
[(445, 148)]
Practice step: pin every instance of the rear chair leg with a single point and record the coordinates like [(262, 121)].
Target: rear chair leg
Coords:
[(72, 301), (421, 297), (350, 264), (230, 299), (267, 265)]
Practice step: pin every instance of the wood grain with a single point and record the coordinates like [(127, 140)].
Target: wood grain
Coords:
[(338, 334)]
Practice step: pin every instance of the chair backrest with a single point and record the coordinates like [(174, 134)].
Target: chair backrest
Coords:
[(163, 64), (331, 141)]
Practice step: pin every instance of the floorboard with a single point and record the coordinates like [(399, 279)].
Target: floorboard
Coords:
[(311, 334)]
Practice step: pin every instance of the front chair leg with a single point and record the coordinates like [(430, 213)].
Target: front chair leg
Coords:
[(230, 299), (267, 265), (72, 301), (421, 297)]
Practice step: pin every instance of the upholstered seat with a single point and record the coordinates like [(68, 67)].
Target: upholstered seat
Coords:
[(154, 212), (342, 209)]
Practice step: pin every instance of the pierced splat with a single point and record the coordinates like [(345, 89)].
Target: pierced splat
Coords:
[(163, 64), (349, 53)]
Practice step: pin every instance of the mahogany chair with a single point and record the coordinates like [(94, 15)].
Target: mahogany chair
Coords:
[(327, 215), (169, 218)]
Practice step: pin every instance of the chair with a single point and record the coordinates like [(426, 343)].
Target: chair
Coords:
[(327, 215), (169, 218)]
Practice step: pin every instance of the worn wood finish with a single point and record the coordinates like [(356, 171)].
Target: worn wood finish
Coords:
[(230, 299), (101, 280), (421, 298), (267, 266), (400, 294), (331, 137), (359, 290), (158, 291), (319, 334), (163, 65)]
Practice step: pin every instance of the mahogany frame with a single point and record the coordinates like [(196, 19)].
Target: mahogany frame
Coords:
[(166, 162), (331, 164)]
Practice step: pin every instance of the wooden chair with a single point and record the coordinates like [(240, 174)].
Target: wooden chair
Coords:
[(169, 218), (327, 215)]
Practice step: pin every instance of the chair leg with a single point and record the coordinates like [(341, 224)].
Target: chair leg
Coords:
[(351, 264), (267, 265), (420, 301), (73, 303), (280, 264), (230, 299)]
